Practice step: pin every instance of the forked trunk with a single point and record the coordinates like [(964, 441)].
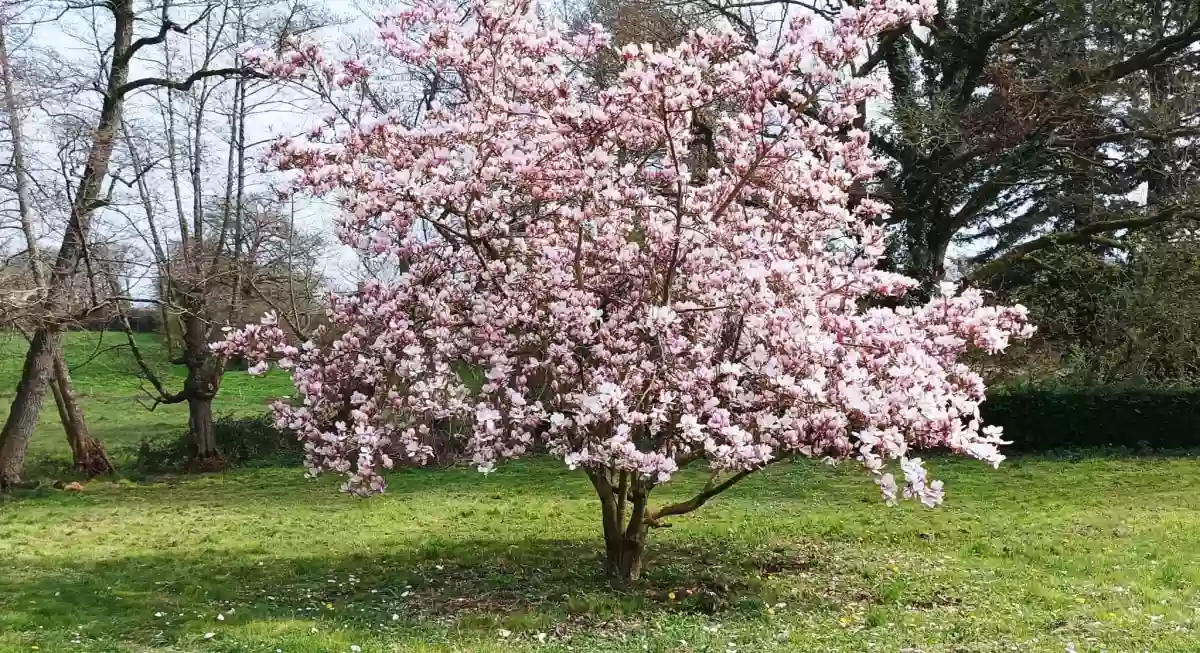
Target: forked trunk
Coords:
[(39, 360), (88, 454), (624, 540), (26, 406), (624, 557)]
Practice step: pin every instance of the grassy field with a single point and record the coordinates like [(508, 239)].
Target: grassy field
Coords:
[(1041, 555)]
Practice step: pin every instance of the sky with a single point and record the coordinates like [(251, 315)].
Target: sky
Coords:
[(38, 35)]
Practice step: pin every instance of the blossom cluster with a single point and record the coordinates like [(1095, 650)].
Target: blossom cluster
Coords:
[(632, 274)]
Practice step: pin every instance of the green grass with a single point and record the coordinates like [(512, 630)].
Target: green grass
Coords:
[(1102, 554)]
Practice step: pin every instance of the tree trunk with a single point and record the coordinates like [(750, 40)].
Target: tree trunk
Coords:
[(627, 554), (63, 415), (204, 431), (624, 542), (927, 242), (26, 406), (88, 453), (200, 387)]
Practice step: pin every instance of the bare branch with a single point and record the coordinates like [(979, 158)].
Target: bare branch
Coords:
[(186, 84), (1089, 233), (709, 491), (167, 25), (164, 397)]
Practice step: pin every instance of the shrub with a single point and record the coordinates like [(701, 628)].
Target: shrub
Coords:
[(241, 441), (162, 453), (245, 440), (1045, 419)]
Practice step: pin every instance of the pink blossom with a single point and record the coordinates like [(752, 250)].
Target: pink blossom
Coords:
[(580, 275)]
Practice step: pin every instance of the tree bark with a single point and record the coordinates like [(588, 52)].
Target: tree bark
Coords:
[(204, 434), (63, 416), (632, 547), (89, 456), (200, 387), (625, 558), (26, 406)]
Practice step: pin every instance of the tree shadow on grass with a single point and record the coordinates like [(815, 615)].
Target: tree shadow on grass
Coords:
[(474, 585)]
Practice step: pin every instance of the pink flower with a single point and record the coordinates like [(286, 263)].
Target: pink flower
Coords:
[(571, 280)]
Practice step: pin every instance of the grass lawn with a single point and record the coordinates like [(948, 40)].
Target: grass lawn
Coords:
[(1040, 555)]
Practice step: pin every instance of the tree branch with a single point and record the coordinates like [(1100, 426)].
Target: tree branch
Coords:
[(1088, 233), (166, 26), (1157, 53), (886, 40), (1133, 134), (291, 324), (736, 20), (186, 84), (622, 494), (984, 195), (709, 491), (924, 49), (1019, 18), (163, 397)]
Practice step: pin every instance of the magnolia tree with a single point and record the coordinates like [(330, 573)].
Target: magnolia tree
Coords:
[(662, 272)]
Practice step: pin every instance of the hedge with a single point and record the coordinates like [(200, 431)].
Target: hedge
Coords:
[(1041, 419)]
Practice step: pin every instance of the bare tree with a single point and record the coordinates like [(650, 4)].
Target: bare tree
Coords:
[(212, 246), (117, 58)]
